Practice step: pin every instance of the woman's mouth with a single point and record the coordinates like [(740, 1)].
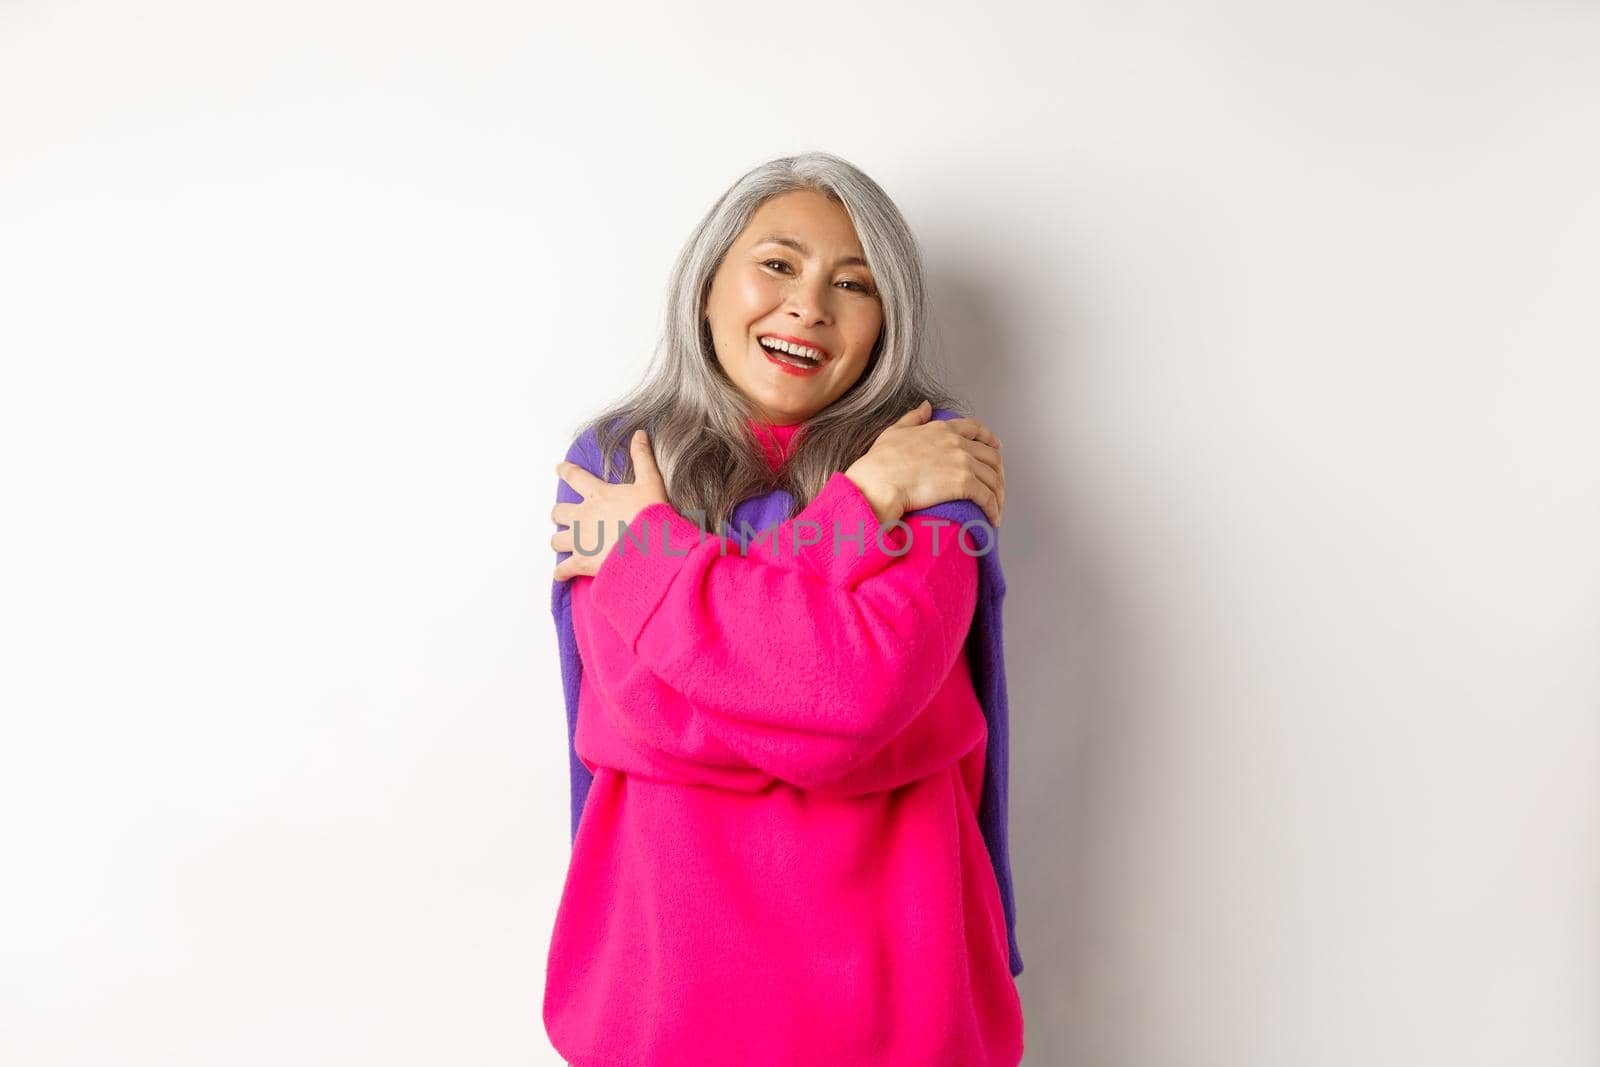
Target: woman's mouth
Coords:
[(802, 360)]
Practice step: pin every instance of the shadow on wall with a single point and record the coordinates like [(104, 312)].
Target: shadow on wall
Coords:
[(1071, 673)]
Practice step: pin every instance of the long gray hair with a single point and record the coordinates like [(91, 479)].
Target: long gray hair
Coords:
[(696, 418)]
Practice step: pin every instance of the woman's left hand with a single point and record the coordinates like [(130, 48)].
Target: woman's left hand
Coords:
[(604, 507)]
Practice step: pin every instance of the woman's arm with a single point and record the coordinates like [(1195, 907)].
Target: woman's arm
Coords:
[(634, 722), (800, 659)]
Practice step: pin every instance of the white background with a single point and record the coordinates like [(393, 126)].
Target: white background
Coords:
[(1286, 314)]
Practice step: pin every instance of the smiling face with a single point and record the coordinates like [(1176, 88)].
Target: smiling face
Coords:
[(796, 277)]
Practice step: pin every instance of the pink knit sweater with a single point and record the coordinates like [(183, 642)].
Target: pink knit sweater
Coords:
[(779, 860)]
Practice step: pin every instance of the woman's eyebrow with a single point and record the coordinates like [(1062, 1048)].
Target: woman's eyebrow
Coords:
[(798, 246)]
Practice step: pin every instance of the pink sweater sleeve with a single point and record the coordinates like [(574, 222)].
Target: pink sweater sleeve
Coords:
[(802, 660)]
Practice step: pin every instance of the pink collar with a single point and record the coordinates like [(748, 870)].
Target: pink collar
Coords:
[(777, 441)]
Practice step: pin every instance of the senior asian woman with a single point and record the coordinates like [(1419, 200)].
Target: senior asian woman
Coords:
[(778, 598)]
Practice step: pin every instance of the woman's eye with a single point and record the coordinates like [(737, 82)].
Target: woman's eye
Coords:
[(860, 287)]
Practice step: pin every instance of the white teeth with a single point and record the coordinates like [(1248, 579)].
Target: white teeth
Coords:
[(794, 350)]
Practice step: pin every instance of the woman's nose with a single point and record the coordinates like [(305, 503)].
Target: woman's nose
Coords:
[(808, 301)]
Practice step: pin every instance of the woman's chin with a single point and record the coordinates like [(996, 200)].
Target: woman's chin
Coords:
[(778, 387), (782, 406)]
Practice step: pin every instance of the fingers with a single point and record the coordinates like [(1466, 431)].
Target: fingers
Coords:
[(566, 539), (982, 452), (977, 431), (916, 416), (983, 444), (984, 488), (580, 479), (985, 466), (565, 513), (974, 486), (644, 458), (575, 565), (989, 459)]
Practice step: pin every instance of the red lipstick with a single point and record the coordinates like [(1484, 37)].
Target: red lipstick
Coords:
[(788, 368), (826, 355)]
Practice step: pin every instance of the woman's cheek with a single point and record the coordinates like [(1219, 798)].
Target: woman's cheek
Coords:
[(759, 293)]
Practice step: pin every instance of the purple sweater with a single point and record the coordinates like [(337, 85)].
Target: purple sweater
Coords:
[(985, 656)]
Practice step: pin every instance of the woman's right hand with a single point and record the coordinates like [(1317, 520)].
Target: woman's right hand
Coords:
[(921, 461)]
